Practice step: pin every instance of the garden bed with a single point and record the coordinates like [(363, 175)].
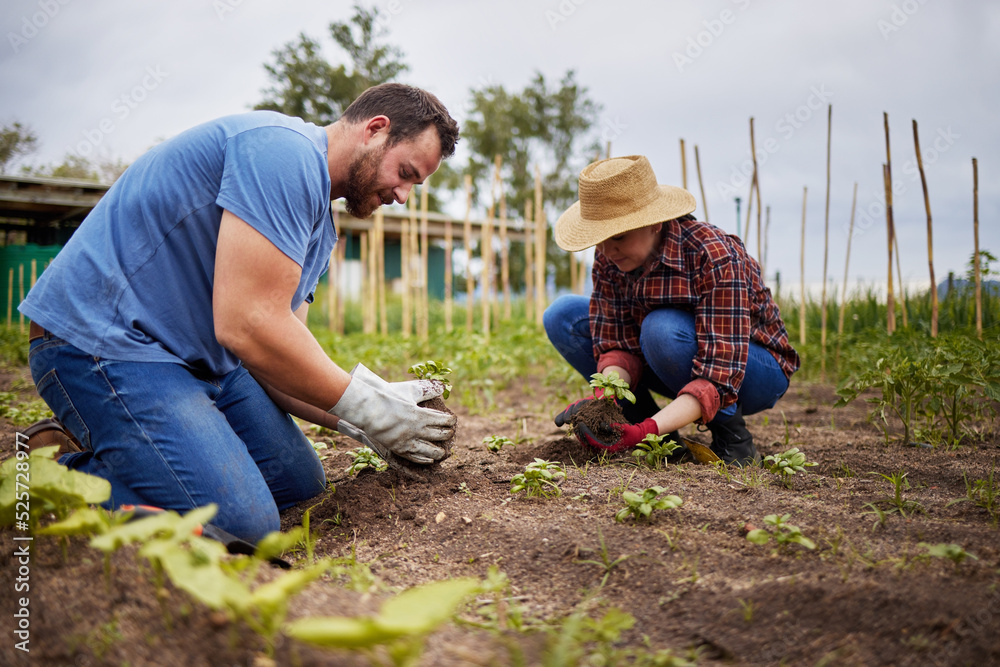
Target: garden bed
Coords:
[(867, 594)]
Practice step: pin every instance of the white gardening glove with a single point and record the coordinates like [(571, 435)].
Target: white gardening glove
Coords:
[(415, 391), (397, 422)]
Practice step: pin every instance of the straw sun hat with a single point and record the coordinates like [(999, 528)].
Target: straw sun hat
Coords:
[(618, 195)]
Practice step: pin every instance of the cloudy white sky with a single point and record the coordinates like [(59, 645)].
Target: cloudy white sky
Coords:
[(121, 76)]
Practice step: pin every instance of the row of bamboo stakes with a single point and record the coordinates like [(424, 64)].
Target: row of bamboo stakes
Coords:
[(495, 301), (892, 239), (20, 290)]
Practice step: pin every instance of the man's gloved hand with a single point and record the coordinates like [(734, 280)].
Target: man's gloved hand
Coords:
[(415, 391), (631, 435), (390, 415)]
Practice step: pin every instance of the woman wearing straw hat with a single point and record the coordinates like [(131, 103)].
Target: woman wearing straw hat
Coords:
[(678, 307)]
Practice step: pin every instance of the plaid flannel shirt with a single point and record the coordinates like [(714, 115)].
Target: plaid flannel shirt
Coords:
[(701, 269)]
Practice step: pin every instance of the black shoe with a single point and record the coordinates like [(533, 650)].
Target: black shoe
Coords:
[(732, 442)]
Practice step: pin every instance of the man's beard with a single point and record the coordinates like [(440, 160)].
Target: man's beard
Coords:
[(362, 177)]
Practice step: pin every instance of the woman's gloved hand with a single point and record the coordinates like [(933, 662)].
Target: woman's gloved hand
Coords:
[(631, 435)]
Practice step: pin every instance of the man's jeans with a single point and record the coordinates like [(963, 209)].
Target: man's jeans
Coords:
[(669, 346), (166, 436)]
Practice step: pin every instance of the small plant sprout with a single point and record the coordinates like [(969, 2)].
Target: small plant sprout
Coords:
[(953, 552), (641, 505), (319, 446), (495, 443), (432, 370), (897, 502), (786, 464), (654, 450), (983, 493), (364, 457), (540, 478), (784, 532), (612, 386)]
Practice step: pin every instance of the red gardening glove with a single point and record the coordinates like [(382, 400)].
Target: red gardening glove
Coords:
[(564, 417), (631, 435)]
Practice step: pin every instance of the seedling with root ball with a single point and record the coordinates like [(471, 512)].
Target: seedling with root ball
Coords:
[(612, 386)]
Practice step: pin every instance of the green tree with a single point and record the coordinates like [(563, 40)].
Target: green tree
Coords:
[(304, 84), (551, 126), (16, 141)]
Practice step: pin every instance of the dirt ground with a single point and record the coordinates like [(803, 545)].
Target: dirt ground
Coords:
[(689, 576)]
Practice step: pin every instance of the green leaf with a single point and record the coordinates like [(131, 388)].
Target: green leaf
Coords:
[(84, 521), (166, 524), (339, 632), (421, 609), (759, 536)]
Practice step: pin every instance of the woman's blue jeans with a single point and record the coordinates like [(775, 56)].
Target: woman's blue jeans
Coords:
[(166, 436), (669, 346)]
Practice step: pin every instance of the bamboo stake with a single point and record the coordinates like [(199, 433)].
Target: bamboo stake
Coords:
[(684, 167), (449, 277), (415, 291), (607, 155), (930, 233), (529, 268), (365, 316), (404, 264), (890, 226), (34, 272), (701, 184), (802, 274), (485, 281), (504, 255), (753, 188), (826, 246), (541, 238), (976, 262), (469, 287), (423, 319), (843, 292), (890, 322), (383, 310), (756, 185), (572, 273)]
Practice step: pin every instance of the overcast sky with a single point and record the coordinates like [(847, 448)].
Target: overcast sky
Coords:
[(113, 78)]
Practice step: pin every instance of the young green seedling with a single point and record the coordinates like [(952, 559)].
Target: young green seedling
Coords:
[(953, 552), (654, 450), (786, 464), (495, 443), (641, 505), (432, 370), (784, 533), (612, 386), (364, 457), (540, 478)]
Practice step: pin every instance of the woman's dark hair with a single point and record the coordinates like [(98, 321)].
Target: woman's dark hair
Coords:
[(410, 111)]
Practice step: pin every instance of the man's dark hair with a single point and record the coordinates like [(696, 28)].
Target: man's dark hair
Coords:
[(409, 110)]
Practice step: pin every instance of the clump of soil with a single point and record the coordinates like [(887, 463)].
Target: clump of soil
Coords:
[(420, 470), (600, 416)]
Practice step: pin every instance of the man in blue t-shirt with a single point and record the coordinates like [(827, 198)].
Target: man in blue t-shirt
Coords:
[(168, 337)]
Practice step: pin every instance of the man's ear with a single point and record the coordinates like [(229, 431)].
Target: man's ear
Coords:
[(377, 125)]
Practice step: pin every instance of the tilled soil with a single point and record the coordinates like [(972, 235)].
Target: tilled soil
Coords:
[(864, 596)]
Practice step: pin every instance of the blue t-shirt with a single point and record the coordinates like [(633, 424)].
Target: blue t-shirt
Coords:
[(134, 282)]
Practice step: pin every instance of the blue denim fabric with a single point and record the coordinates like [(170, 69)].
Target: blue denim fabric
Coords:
[(669, 346), (166, 436)]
